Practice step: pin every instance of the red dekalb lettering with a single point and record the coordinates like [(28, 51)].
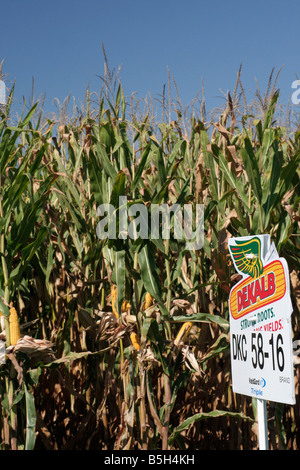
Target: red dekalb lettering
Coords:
[(255, 290)]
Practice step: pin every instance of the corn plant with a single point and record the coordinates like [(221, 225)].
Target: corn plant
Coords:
[(124, 342)]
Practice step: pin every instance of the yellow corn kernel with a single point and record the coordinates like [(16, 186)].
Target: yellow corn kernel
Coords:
[(148, 300), (135, 341), (14, 326), (125, 306), (183, 332), (114, 295)]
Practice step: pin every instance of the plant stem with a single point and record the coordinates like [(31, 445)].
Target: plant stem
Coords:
[(165, 427), (143, 424), (13, 415), (169, 292), (6, 277)]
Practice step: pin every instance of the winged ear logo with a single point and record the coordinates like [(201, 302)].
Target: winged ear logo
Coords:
[(247, 256)]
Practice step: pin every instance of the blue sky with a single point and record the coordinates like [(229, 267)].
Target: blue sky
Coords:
[(58, 43)]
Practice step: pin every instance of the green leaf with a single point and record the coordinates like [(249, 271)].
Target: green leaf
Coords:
[(209, 163), (105, 161), (220, 346), (3, 308), (259, 130), (23, 231), (159, 163), (140, 168), (250, 162), (266, 145), (201, 416), (230, 176), (9, 139), (284, 230), (160, 195), (32, 247), (18, 397), (50, 262), (95, 177), (118, 189), (158, 346), (148, 273), (120, 275), (30, 419), (210, 207), (271, 110), (106, 134), (287, 175), (269, 188), (202, 318)]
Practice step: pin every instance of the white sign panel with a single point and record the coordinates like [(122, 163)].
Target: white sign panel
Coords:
[(260, 322)]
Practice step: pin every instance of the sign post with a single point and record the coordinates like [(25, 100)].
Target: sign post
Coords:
[(260, 326), (262, 424)]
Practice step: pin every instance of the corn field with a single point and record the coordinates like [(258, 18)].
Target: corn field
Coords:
[(124, 344)]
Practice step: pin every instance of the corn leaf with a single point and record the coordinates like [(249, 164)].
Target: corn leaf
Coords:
[(202, 318), (120, 276), (251, 167), (148, 273), (140, 167), (30, 419), (201, 416), (271, 110), (230, 177)]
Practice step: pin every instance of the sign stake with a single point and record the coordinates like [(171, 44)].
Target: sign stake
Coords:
[(262, 424)]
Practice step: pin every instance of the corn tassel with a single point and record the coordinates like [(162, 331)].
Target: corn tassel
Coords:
[(183, 332), (14, 326), (148, 300), (135, 341)]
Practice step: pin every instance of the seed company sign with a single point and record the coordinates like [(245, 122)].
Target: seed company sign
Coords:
[(260, 321), (251, 295)]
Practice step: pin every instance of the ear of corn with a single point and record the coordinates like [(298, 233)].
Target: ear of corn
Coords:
[(148, 300), (14, 326), (125, 306), (114, 294), (91, 161), (135, 341), (183, 332)]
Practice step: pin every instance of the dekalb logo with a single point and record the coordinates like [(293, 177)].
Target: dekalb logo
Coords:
[(247, 256), (249, 294), (259, 289), (263, 286)]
